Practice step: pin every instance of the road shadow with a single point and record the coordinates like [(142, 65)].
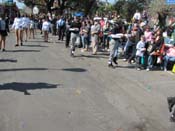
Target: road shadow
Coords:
[(36, 41), (8, 60), (22, 51), (24, 87), (23, 69), (35, 46), (90, 56), (128, 66), (74, 69)]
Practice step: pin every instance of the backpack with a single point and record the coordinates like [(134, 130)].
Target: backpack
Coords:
[(61, 23)]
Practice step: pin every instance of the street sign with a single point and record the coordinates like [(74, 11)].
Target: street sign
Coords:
[(170, 2)]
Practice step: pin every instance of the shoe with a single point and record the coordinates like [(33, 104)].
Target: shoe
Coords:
[(171, 103), (138, 69), (21, 44), (16, 45), (147, 69), (132, 61), (115, 60), (94, 53), (72, 54), (82, 50), (165, 69), (172, 118), (3, 50), (124, 60), (111, 66)]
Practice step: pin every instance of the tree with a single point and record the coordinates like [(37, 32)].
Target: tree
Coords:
[(158, 9), (126, 8), (78, 5)]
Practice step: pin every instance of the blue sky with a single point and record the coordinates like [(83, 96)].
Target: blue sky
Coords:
[(19, 4), (110, 1)]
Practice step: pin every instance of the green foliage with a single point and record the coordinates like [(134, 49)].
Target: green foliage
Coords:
[(86, 6), (159, 6), (126, 8)]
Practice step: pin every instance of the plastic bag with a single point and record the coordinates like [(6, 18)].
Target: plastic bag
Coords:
[(159, 60)]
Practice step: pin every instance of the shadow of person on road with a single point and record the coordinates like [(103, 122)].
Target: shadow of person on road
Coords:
[(35, 46), (23, 69), (24, 87), (22, 51), (74, 69), (90, 56), (8, 60)]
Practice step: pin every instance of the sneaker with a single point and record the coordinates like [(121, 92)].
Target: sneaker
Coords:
[(132, 61), (172, 118), (82, 50), (124, 60), (115, 60), (138, 69), (111, 66), (147, 69), (72, 54), (3, 50), (165, 69), (16, 45)]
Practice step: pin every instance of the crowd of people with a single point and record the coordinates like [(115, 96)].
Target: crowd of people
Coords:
[(146, 46), (142, 44)]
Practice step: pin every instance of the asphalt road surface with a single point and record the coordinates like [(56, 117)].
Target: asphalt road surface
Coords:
[(43, 89)]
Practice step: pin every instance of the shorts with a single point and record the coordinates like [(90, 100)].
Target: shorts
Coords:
[(3, 33)]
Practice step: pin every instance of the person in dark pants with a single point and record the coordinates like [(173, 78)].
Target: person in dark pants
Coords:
[(53, 22), (61, 28), (7, 23), (171, 104), (67, 32)]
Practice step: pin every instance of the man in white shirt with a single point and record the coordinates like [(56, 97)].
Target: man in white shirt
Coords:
[(137, 16)]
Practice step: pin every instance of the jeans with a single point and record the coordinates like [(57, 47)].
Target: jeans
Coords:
[(151, 61), (167, 59), (105, 42), (74, 37), (114, 45), (127, 49), (85, 41)]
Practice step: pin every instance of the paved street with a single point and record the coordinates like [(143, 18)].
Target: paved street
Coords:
[(43, 89)]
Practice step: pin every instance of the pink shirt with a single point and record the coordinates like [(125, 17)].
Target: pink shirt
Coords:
[(148, 36), (171, 52)]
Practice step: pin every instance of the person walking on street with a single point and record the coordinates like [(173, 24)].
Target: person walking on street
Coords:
[(32, 27), (75, 30), (61, 28), (114, 45), (45, 28), (26, 24), (3, 32), (17, 25), (67, 32)]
